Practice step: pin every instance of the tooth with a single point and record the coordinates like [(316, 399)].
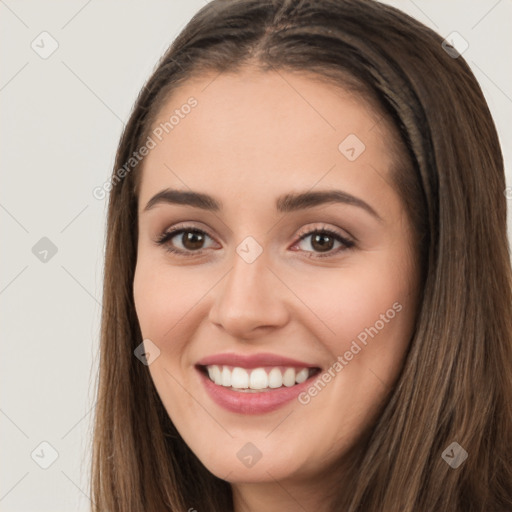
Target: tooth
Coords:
[(302, 375), (214, 374), (289, 377), (259, 379), (226, 376), (239, 378), (275, 378)]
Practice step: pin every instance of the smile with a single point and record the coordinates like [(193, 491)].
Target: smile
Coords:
[(258, 379), (254, 384)]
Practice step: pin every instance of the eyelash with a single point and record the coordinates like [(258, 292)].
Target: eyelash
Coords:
[(165, 237)]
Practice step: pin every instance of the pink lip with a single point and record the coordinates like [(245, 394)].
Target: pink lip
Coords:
[(253, 361), (252, 403)]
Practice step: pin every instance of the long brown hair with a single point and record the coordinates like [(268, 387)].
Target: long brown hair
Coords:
[(456, 383)]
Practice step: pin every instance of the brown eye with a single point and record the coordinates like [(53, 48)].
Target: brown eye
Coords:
[(184, 241), (322, 242), (192, 240)]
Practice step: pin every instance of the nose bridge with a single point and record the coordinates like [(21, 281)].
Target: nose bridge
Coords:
[(249, 297)]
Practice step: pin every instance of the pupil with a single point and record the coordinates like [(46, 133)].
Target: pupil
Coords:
[(192, 240), (324, 241)]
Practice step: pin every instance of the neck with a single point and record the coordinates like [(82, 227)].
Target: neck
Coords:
[(276, 497)]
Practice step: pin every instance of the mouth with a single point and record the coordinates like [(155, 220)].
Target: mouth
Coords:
[(254, 383), (257, 380)]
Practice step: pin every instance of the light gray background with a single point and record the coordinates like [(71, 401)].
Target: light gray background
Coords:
[(61, 121)]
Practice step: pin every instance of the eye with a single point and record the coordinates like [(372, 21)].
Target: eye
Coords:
[(190, 238), (322, 240), (192, 242)]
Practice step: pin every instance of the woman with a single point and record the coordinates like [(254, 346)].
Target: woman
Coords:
[(307, 299)]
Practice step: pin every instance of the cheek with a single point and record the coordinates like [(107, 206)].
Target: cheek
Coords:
[(151, 299), (163, 296), (164, 302), (366, 319), (346, 301), (370, 317)]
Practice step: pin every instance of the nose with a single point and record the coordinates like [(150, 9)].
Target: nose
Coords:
[(250, 301)]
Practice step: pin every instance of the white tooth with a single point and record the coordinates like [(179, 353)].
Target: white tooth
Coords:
[(275, 378), (215, 374), (289, 377), (259, 379), (302, 375), (226, 376), (239, 378)]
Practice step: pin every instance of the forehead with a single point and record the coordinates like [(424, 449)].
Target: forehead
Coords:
[(261, 132)]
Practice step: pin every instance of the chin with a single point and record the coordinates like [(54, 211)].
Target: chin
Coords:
[(241, 469)]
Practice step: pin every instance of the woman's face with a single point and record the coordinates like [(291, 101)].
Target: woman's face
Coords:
[(271, 281)]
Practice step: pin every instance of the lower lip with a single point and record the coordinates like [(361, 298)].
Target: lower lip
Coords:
[(252, 403)]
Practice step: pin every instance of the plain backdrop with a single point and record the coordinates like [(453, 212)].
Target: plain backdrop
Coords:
[(61, 120)]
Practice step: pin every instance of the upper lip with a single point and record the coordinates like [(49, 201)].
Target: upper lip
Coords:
[(253, 361)]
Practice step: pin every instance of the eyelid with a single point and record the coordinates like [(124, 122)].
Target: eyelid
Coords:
[(325, 229)]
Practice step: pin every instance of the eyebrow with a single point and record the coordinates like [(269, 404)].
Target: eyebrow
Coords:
[(284, 204)]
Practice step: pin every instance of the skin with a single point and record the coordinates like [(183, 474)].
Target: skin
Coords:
[(252, 137)]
